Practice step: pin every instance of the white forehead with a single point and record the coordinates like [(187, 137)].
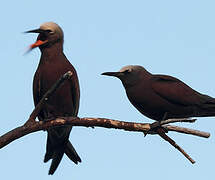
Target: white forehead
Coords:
[(52, 26), (131, 68)]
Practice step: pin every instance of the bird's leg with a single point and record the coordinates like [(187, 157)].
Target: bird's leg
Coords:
[(164, 116), (48, 112), (50, 118), (159, 126)]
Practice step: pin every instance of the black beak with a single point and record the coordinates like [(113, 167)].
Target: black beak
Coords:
[(35, 31), (115, 74)]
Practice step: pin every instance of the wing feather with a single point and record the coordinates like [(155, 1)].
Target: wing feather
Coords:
[(175, 91)]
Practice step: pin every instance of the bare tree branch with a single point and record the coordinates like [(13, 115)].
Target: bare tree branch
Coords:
[(91, 122), (159, 128)]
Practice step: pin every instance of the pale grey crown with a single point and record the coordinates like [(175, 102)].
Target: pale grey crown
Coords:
[(54, 29), (131, 68), (132, 74)]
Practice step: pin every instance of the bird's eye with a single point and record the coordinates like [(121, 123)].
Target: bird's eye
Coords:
[(49, 31), (127, 71)]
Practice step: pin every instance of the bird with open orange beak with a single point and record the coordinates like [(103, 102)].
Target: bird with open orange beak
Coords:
[(65, 101)]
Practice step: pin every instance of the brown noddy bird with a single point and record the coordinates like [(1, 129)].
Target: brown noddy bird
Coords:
[(65, 101), (162, 97)]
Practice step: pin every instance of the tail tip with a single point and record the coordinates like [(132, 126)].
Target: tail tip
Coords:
[(50, 172)]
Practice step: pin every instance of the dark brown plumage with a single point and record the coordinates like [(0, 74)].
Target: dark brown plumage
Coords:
[(65, 101), (161, 97)]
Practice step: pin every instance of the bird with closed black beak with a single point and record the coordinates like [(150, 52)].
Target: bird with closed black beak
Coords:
[(65, 101), (161, 97)]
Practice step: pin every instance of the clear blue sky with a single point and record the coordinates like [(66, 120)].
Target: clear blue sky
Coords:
[(166, 37)]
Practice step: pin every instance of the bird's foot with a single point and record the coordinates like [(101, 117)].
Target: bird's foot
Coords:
[(154, 130), (49, 119), (159, 129)]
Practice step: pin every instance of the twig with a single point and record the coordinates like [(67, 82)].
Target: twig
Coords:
[(39, 106), (162, 134), (187, 131)]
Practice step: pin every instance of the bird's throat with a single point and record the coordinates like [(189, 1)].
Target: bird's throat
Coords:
[(52, 51)]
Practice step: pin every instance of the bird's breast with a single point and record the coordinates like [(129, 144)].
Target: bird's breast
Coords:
[(60, 102)]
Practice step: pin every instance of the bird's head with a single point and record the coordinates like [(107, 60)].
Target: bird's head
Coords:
[(49, 34), (129, 75)]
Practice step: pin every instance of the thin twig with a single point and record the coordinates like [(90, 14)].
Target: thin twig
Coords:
[(187, 131), (41, 103), (162, 134)]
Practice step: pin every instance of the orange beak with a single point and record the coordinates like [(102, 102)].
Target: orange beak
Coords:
[(37, 44)]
